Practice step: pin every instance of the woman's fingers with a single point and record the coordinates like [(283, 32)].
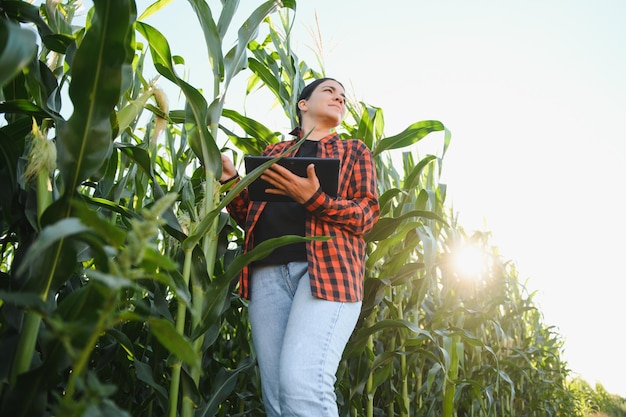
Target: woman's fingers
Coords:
[(285, 182)]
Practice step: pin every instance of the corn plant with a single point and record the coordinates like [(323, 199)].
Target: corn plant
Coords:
[(116, 278), (119, 264)]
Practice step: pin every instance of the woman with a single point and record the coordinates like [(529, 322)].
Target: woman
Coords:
[(305, 298)]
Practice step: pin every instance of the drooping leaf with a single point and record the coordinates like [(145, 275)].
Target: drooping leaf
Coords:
[(17, 49), (166, 333), (23, 107), (46, 262), (409, 136), (196, 109), (25, 12), (388, 225), (259, 136), (218, 292), (58, 42)]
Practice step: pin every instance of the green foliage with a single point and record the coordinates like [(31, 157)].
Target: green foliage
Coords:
[(118, 265)]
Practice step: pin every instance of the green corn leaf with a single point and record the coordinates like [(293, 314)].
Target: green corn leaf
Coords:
[(196, 114), (409, 136), (226, 17), (50, 236), (258, 136), (359, 339), (59, 42), (153, 8), (142, 159), (366, 129), (29, 300), (23, 107), (166, 333), (17, 49), (223, 385), (25, 12), (236, 59), (386, 226), (113, 282), (262, 71), (411, 181), (85, 140), (144, 374), (385, 200), (218, 293), (212, 36), (79, 312), (111, 232)]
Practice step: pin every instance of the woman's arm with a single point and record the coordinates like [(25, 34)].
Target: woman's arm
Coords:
[(356, 206)]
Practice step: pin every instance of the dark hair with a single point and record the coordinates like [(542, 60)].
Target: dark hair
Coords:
[(305, 94)]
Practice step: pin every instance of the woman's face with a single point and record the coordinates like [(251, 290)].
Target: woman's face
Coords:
[(327, 104)]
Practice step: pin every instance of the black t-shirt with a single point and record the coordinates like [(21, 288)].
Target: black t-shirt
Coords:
[(284, 218)]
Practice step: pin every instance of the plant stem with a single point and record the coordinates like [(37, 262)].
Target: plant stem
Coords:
[(404, 372), (32, 319), (180, 328), (209, 248), (26, 345), (451, 377)]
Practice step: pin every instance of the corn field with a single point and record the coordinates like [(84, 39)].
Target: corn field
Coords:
[(118, 262)]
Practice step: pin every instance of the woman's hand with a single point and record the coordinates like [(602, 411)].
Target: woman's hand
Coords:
[(228, 169), (285, 182)]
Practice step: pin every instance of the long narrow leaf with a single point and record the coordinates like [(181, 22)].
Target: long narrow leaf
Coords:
[(218, 293), (202, 143), (236, 60), (223, 385), (207, 221), (17, 49), (212, 36), (409, 136), (85, 140), (165, 331), (386, 226)]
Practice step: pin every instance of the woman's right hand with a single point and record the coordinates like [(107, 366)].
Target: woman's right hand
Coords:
[(228, 169)]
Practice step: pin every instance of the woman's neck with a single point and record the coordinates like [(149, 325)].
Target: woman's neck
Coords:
[(314, 132)]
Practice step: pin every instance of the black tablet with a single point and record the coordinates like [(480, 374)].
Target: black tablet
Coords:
[(326, 169)]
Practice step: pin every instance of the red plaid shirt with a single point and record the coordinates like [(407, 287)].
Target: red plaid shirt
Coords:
[(336, 266)]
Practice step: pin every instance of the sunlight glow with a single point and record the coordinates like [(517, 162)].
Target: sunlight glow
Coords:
[(470, 262)]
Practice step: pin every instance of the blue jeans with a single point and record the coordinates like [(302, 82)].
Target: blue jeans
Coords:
[(299, 340)]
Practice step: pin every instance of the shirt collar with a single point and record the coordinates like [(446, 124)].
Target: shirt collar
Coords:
[(328, 138)]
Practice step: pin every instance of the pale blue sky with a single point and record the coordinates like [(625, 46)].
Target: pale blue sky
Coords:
[(534, 92)]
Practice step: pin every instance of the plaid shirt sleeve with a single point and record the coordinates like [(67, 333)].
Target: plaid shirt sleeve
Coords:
[(336, 266)]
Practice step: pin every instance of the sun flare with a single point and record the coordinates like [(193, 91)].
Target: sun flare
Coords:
[(470, 262)]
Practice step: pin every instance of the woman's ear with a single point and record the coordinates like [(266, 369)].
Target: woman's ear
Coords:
[(302, 104)]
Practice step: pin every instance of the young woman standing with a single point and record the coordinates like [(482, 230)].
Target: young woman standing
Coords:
[(305, 298)]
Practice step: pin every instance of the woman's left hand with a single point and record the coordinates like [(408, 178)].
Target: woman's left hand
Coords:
[(285, 182)]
